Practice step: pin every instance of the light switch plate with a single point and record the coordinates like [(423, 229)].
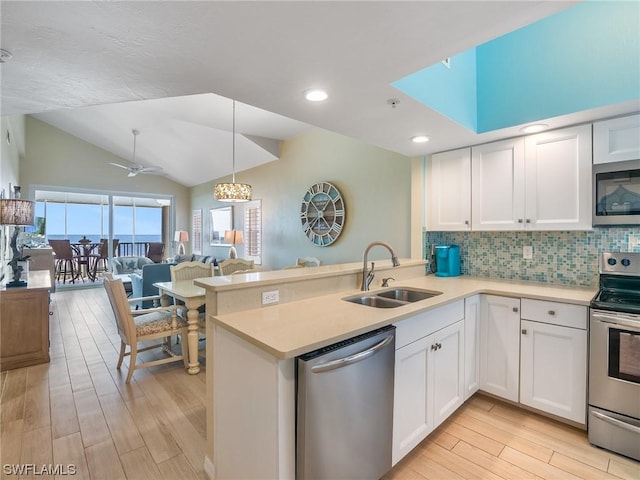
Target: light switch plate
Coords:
[(527, 252)]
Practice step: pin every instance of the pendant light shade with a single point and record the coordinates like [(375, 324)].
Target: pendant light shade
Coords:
[(233, 192)]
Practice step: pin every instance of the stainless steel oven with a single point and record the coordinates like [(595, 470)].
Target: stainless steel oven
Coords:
[(614, 356), (616, 193)]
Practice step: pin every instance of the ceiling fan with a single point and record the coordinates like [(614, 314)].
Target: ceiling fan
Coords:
[(136, 168)]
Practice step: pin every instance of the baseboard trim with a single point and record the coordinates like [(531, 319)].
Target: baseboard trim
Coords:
[(209, 468)]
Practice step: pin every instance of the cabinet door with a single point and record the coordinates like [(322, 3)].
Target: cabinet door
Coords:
[(446, 368), (471, 345), (412, 418), (554, 369), (24, 327), (448, 181), (497, 170), (616, 140), (558, 179), (500, 346)]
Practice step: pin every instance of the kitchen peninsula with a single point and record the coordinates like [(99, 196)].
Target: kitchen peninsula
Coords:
[(251, 374)]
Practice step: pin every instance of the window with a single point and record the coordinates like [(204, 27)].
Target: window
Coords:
[(253, 231), (135, 221)]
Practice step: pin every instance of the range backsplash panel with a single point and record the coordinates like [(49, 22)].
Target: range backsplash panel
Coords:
[(569, 258)]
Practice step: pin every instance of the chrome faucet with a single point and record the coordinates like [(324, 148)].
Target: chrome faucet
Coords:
[(367, 275)]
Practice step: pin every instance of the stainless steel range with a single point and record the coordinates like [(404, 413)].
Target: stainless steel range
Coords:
[(614, 356)]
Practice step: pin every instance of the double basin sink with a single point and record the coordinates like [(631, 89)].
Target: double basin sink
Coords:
[(395, 297)]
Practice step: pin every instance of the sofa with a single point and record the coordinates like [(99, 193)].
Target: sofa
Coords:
[(128, 265), (193, 258), (142, 282), (123, 267)]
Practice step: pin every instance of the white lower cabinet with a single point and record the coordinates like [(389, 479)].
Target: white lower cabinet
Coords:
[(471, 345), (500, 346), (553, 358), (429, 375)]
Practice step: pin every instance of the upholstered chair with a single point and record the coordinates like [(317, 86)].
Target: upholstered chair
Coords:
[(231, 265), (308, 262), (136, 326)]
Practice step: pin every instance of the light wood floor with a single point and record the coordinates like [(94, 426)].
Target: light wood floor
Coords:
[(78, 410)]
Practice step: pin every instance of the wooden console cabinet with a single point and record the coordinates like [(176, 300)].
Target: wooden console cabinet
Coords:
[(24, 322)]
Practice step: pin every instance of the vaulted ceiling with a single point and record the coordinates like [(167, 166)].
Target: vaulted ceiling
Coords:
[(85, 67)]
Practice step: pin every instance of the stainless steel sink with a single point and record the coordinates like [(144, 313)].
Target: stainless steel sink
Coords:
[(375, 301), (408, 294), (396, 297)]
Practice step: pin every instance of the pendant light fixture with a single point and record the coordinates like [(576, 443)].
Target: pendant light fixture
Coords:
[(233, 192)]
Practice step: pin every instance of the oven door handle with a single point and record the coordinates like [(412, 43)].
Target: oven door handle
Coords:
[(616, 319), (616, 422)]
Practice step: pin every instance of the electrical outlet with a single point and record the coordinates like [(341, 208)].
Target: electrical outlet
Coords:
[(634, 242), (527, 252), (272, 296)]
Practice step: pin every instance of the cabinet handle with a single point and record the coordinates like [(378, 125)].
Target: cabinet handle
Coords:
[(524, 331), (520, 220), (434, 347), (551, 312), (466, 222), (528, 220), (515, 309), (439, 345)]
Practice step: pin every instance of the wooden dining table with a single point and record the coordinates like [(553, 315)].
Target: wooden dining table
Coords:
[(193, 297)]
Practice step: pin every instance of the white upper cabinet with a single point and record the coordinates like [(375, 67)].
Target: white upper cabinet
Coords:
[(558, 179), (539, 182), (497, 170), (616, 140), (449, 191)]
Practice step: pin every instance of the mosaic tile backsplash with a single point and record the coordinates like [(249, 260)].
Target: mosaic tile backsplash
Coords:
[(569, 258)]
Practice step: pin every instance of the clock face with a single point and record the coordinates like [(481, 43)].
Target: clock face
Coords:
[(322, 214)]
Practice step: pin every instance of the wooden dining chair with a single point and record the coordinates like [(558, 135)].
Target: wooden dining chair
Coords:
[(231, 265), (136, 326), (191, 271), (155, 251), (99, 260), (65, 259)]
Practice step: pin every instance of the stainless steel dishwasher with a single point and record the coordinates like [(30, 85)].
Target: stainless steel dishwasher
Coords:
[(345, 409)]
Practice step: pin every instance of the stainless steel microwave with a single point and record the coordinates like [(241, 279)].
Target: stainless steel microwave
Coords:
[(616, 193)]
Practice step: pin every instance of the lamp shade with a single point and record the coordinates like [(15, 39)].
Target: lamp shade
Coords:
[(14, 211), (234, 237), (232, 192), (181, 236)]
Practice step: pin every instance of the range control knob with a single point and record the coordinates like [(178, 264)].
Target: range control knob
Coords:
[(626, 262), (611, 261)]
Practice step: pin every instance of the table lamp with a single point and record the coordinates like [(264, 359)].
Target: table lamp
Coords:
[(181, 236), (16, 212), (234, 237)]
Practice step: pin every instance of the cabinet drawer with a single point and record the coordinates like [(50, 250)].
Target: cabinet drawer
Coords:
[(423, 324), (555, 313)]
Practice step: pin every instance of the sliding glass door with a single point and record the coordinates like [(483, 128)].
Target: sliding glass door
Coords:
[(132, 220)]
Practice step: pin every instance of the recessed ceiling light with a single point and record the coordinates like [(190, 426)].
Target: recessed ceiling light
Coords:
[(316, 95), (420, 139), (535, 128)]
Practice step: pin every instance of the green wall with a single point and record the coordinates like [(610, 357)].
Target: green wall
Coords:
[(375, 184)]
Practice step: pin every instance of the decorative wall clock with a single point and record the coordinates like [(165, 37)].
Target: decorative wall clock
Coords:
[(322, 214)]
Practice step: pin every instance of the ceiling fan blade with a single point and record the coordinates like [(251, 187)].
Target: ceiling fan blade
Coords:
[(118, 165)]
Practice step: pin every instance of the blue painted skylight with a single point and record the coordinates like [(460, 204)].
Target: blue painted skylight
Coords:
[(584, 57)]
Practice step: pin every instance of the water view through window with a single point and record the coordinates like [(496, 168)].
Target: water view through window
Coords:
[(135, 220)]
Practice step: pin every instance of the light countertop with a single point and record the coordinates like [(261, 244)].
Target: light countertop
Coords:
[(291, 329)]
